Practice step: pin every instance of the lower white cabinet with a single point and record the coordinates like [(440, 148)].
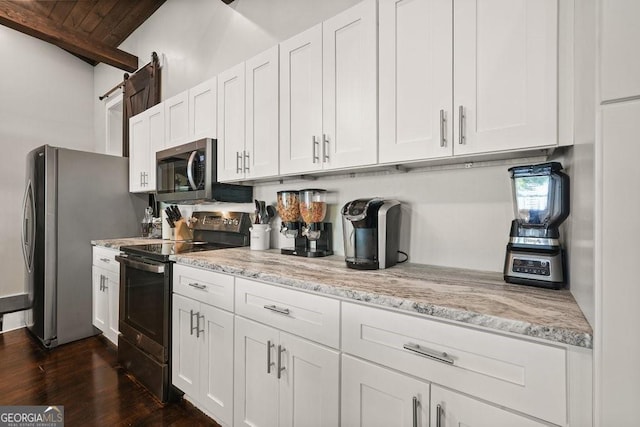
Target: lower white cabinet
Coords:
[(449, 408), (283, 380), (202, 351), (374, 396), (106, 292)]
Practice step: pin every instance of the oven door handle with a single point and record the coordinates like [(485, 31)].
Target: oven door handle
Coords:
[(140, 265)]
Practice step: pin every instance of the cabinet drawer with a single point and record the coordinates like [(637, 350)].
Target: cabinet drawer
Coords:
[(526, 376), (106, 258), (311, 316), (209, 287)]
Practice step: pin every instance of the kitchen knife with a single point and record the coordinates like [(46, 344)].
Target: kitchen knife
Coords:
[(177, 214)]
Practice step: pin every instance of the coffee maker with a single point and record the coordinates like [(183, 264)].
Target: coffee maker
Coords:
[(302, 214), (371, 233), (541, 200)]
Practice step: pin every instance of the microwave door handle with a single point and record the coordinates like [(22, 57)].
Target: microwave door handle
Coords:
[(192, 158)]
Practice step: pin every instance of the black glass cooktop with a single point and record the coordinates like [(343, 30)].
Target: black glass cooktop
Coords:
[(162, 251)]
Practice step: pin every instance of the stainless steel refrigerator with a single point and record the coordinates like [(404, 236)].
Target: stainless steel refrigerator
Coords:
[(71, 198)]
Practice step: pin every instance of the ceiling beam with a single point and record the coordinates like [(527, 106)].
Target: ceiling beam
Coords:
[(14, 16)]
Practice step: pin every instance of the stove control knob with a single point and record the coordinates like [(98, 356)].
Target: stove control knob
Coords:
[(236, 222)]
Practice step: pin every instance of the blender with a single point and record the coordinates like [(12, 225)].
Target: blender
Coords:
[(541, 200), (312, 236)]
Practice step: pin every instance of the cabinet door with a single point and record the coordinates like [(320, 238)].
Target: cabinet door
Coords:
[(156, 118), (450, 409), (100, 300), (255, 380), (373, 396), (185, 345), (138, 152), (177, 120), (416, 81), (261, 119), (301, 102), (309, 384), (505, 75), (349, 64), (203, 106), (620, 60), (231, 123), (112, 289), (216, 363)]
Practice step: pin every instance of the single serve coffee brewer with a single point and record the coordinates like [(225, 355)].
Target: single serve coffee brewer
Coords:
[(371, 233)]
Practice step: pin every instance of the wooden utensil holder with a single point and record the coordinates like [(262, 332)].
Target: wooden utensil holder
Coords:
[(182, 230)]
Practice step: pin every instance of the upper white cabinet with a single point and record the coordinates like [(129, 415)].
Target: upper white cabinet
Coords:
[(328, 78), (505, 75), (503, 58), (248, 119), (146, 136), (202, 110), (620, 62), (176, 114)]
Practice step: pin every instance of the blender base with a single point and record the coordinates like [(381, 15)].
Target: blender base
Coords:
[(542, 268)]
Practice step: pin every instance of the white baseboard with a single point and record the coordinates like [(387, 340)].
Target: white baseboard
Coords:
[(12, 321)]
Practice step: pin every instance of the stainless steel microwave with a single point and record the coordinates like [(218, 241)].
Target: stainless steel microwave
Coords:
[(187, 173)]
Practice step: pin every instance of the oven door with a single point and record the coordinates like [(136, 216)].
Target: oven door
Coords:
[(185, 172), (145, 304)]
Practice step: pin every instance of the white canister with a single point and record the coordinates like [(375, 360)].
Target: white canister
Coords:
[(260, 236)]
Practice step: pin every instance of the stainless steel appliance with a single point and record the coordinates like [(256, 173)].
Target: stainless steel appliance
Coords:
[(371, 230), (541, 201), (71, 197), (188, 173), (144, 343), (312, 236)]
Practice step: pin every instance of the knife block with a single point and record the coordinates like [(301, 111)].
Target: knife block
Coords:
[(182, 230)]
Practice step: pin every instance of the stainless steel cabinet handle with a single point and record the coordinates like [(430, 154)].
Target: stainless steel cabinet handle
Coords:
[(438, 415), (198, 330), (443, 129), (280, 367), (105, 280), (198, 286), (314, 143), (246, 160), (325, 148), (101, 283), (269, 362), (105, 260), (238, 160), (461, 118), (440, 357), (141, 180), (191, 321), (277, 309), (415, 411)]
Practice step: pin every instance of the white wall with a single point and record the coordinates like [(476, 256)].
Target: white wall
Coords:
[(45, 98)]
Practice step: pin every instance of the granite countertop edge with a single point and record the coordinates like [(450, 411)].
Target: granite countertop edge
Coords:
[(545, 332)]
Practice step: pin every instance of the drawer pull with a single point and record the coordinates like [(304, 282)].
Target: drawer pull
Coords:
[(440, 357), (277, 309), (198, 286), (105, 260)]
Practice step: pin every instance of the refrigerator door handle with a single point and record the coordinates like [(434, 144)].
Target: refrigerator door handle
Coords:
[(28, 226)]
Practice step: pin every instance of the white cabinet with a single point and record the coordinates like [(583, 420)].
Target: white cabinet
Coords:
[(373, 396), (620, 62), (202, 346), (283, 380), (328, 87), (203, 104), (478, 77), (248, 119), (449, 408), (231, 93), (146, 136), (176, 115), (106, 292)]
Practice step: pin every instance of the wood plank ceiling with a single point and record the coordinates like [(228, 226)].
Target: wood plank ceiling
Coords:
[(90, 29)]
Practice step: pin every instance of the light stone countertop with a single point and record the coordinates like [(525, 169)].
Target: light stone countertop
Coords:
[(468, 296)]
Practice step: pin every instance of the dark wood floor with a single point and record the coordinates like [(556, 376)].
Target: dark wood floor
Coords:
[(85, 378)]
